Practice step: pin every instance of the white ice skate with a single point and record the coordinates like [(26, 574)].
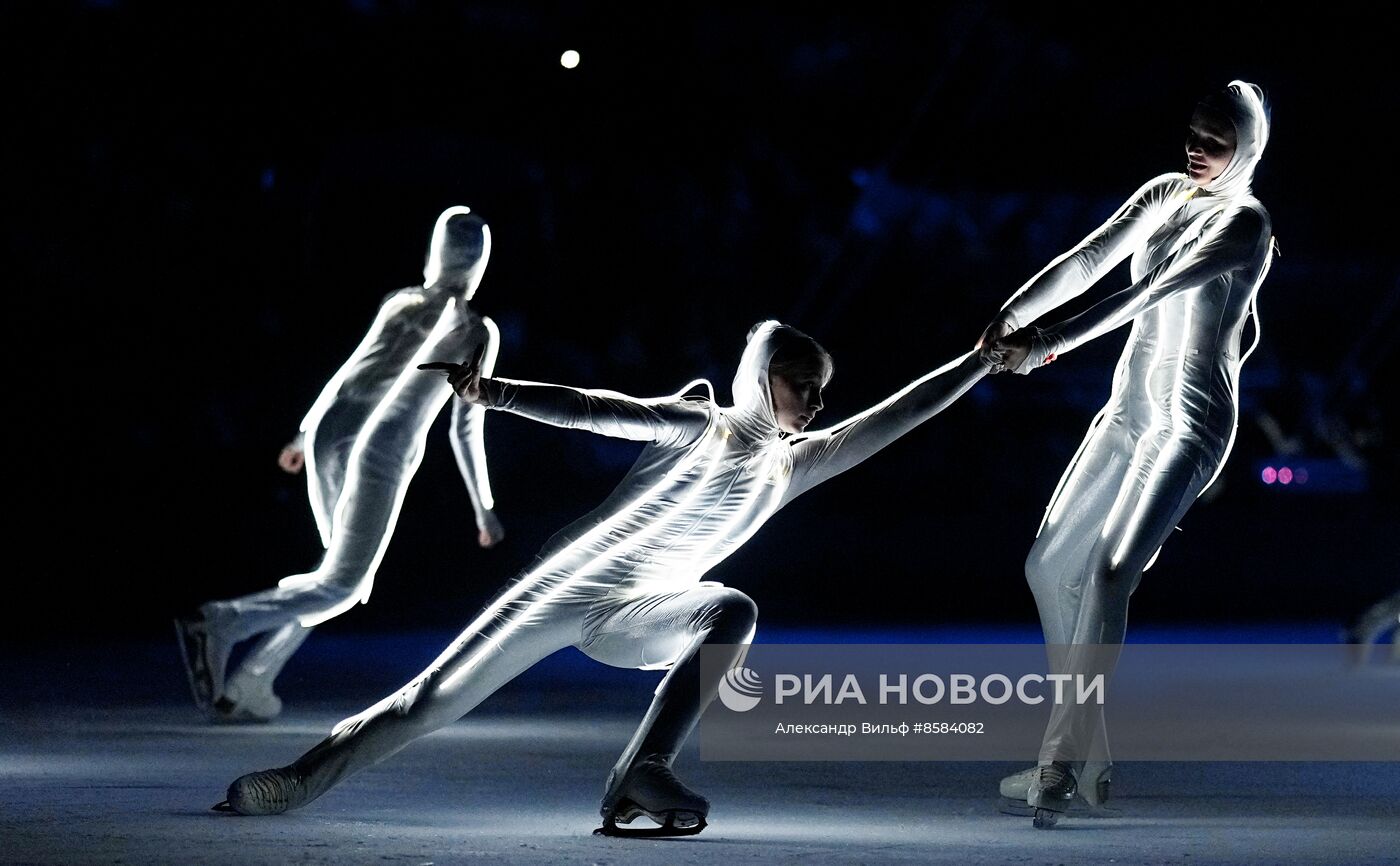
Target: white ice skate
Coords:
[(266, 792), (651, 789), (1090, 799), (241, 703)]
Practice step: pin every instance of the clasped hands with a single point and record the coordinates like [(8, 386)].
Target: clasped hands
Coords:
[(1006, 349)]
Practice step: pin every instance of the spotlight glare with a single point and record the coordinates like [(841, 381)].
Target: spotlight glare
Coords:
[(569, 59), (1268, 476), (1285, 475)]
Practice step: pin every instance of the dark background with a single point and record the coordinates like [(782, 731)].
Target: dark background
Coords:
[(209, 200)]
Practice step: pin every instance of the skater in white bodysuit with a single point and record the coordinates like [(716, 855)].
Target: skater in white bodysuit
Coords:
[(1200, 247), (624, 584), (361, 443)]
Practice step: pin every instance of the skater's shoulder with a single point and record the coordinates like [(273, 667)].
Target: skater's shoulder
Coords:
[(1255, 206), (1250, 219), (1165, 185), (697, 392), (401, 301), (693, 412)]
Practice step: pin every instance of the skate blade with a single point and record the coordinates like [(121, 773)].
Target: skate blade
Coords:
[(192, 653), (1048, 810), (221, 806), (1078, 809), (675, 822), (226, 712)]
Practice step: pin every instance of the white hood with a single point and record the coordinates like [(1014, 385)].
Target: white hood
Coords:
[(1243, 104), (457, 255), (752, 414)]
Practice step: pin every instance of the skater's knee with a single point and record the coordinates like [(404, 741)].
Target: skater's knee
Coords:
[(327, 588), (1037, 570), (732, 616)]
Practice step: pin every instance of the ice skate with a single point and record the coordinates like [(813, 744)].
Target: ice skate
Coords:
[(242, 704), (205, 655), (1090, 800), (651, 789), (1052, 789), (266, 792)]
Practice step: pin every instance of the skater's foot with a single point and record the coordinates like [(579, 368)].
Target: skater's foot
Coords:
[(246, 704), (204, 651), (266, 792), (650, 788), (1090, 800), (1052, 790)]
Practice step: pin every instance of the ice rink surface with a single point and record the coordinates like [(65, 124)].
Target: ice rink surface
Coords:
[(103, 760)]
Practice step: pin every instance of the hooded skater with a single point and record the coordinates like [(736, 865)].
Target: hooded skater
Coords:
[(361, 444), (624, 584), (1200, 244)]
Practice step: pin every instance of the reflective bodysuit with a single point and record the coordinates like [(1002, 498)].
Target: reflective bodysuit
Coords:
[(1199, 256), (363, 440), (623, 584)]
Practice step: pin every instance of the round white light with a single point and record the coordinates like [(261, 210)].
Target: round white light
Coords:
[(569, 59)]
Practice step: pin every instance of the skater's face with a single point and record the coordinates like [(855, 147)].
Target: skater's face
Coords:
[(797, 398), (1210, 145)]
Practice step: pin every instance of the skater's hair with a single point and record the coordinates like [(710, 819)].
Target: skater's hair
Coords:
[(797, 356)]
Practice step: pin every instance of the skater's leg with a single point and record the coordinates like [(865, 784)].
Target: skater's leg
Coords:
[(1059, 562), (248, 694), (652, 631), (363, 525), (364, 521), (655, 630), (503, 642), (1074, 518), (1159, 492)]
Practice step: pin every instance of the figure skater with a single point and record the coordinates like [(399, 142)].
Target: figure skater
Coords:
[(623, 584), (360, 443), (1200, 245)]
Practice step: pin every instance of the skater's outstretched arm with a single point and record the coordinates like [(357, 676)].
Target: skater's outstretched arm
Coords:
[(469, 444), (1237, 241), (1069, 275), (825, 453), (667, 420), (659, 419)]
